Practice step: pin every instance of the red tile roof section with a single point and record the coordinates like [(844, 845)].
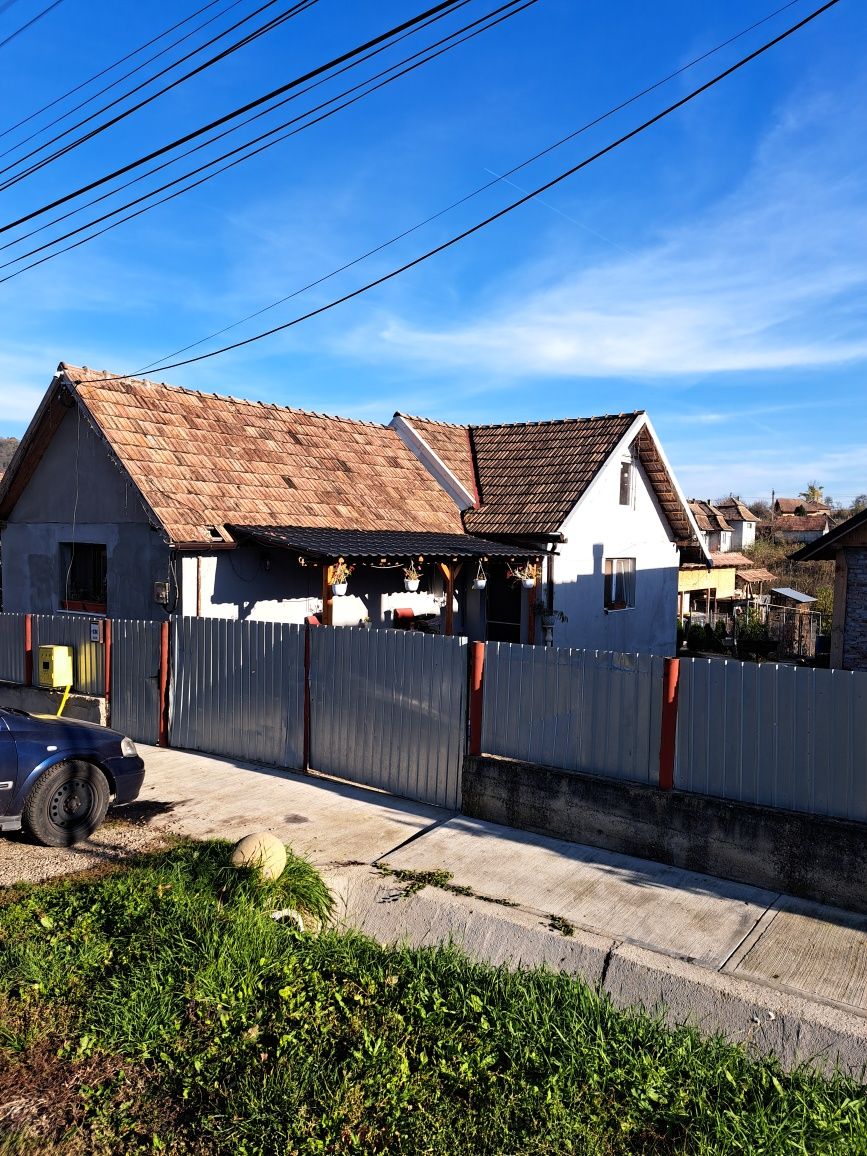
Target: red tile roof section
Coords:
[(202, 460), (451, 444)]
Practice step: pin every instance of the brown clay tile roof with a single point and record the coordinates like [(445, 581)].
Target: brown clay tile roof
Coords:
[(730, 558), (708, 516), (793, 505), (803, 523), (451, 444), (202, 460), (758, 574), (735, 511)]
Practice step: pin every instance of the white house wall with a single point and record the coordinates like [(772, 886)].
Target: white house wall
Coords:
[(235, 584), (599, 528)]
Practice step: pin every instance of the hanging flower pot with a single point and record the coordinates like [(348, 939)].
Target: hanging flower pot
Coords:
[(411, 577), (481, 579), (340, 577), (526, 575)]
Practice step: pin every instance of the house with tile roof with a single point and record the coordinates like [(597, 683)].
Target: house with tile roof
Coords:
[(742, 521), (138, 499), (599, 494)]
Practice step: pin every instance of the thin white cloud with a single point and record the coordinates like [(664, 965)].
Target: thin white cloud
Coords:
[(772, 277)]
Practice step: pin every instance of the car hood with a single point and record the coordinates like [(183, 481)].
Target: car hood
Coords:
[(19, 721)]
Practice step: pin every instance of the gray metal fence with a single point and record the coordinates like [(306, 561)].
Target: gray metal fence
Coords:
[(782, 736), (72, 630), (135, 669), (388, 709), (11, 647), (580, 710), (239, 689)]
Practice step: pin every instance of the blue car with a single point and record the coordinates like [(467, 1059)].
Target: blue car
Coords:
[(58, 776)]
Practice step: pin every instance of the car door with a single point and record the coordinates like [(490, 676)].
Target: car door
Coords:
[(8, 766)]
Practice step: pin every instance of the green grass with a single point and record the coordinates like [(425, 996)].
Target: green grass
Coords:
[(161, 1008)]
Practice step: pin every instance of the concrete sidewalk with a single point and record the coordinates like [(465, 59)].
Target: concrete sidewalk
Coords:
[(786, 975)]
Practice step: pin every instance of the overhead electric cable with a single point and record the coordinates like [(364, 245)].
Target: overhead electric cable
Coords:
[(355, 63), (287, 14), (396, 71), (615, 144), (477, 191), (249, 106), (29, 23), (110, 67)]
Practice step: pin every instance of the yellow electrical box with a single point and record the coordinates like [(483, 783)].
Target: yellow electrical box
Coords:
[(55, 666)]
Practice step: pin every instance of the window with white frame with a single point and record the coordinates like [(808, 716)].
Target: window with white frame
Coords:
[(619, 583)]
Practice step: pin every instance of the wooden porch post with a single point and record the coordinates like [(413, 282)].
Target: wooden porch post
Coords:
[(327, 596), (450, 571)]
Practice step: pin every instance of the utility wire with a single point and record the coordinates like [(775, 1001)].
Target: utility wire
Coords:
[(235, 128), (29, 23), (234, 114), (109, 68), (416, 60), (615, 144), (269, 26), (478, 191)]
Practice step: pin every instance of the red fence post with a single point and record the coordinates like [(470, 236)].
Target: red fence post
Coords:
[(306, 760), (106, 634), (477, 679), (163, 739), (668, 731), (28, 649)]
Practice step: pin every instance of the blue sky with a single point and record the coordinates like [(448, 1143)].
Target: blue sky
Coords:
[(712, 271)]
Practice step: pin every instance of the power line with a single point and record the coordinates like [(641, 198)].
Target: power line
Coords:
[(287, 14), (29, 23), (122, 60), (416, 60), (482, 188), (462, 236), (234, 114)]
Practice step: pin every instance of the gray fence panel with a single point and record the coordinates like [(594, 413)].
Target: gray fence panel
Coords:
[(72, 630), (11, 647), (581, 710), (135, 672), (388, 709), (239, 689), (781, 736)]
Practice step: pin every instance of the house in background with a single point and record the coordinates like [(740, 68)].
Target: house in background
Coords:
[(732, 580), (846, 546), (742, 520), (802, 527), (798, 508), (135, 499)]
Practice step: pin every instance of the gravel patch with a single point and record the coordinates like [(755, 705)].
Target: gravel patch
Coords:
[(125, 833)]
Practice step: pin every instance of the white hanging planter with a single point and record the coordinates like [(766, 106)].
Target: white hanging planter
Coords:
[(528, 583), (411, 584), (338, 588), (479, 583)]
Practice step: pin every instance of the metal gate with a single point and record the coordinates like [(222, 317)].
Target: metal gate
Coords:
[(239, 689), (388, 709), (135, 670)]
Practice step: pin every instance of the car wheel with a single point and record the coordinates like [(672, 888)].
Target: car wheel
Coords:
[(67, 804)]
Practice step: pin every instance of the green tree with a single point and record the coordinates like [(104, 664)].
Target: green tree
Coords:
[(813, 492)]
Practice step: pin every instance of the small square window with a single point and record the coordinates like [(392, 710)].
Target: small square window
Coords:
[(619, 583), (83, 576), (626, 483)]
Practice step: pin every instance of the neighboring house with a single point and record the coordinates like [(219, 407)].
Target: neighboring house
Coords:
[(798, 507), (715, 528), (742, 521), (846, 545), (135, 499), (734, 580), (802, 527)]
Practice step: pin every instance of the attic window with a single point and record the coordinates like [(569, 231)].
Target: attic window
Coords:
[(626, 482)]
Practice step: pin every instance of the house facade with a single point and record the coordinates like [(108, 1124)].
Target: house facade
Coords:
[(135, 499), (846, 545)]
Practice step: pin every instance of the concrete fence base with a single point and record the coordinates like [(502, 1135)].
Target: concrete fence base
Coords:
[(38, 700), (799, 854)]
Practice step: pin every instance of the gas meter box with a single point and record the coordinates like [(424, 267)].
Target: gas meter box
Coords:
[(55, 666)]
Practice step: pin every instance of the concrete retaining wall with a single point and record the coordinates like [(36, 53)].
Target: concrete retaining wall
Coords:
[(36, 700), (805, 855)]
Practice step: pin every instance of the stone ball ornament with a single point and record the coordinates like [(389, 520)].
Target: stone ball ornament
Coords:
[(263, 851)]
